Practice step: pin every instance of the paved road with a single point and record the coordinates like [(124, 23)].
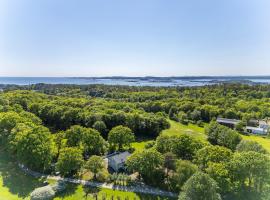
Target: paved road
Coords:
[(138, 188)]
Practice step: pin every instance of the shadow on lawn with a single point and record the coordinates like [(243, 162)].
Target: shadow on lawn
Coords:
[(91, 191), (70, 190), (153, 197), (14, 179)]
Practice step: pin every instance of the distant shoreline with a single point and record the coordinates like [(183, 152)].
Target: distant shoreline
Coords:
[(148, 77), (173, 81)]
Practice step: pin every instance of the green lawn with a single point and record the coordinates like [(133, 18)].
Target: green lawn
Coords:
[(139, 145), (15, 185), (198, 132), (77, 192), (265, 142), (177, 128)]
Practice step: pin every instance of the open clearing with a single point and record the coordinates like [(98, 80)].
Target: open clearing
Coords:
[(198, 132), (177, 128), (265, 142)]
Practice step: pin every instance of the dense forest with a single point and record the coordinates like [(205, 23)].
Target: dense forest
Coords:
[(68, 128)]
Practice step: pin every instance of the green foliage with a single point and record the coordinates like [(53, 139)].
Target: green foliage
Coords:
[(8, 121), (183, 171), (89, 140), (182, 117), (95, 164), (70, 112), (33, 146), (240, 126), (120, 136), (70, 161), (120, 179), (183, 146), (212, 154), (169, 160), (248, 145), (250, 171), (220, 173), (147, 163), (221, 135), (200, 187), (100, 126)]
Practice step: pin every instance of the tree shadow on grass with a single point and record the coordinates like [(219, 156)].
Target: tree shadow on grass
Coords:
[(153, 197), (69, 190), (91, 191), (14, 179)]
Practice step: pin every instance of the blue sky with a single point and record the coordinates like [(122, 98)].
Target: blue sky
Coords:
[(134, 38)]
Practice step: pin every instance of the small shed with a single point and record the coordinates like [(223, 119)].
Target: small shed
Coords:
[(117, 160)]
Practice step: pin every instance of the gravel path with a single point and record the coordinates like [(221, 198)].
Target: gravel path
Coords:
[(139, 188)]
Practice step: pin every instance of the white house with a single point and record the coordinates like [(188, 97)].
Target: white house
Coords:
[(117, 160), (257, 130)]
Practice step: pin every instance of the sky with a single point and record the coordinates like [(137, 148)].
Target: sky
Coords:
[(134, 37)]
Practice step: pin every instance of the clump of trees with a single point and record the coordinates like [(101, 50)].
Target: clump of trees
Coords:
[(183, 146), (222, 135), (120, 137), (70, 160), (148, 164), (95, 164), (87, 139), (200, 186)]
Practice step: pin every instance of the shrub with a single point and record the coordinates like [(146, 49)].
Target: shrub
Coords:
[(59, 187), (43, 193), (102, 176)]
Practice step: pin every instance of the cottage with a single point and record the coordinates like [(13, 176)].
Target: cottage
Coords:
[(231, 123), (117, 160)]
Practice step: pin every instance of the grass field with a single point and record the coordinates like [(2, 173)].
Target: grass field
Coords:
[(15, 185), (198, 132), (77, 192), (265, 142), (140, 143), (177, 128)]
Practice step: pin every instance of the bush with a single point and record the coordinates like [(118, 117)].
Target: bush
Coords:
[(59, 187), (102, 176), (248, 145), (120, 179), (150, 144), (200, 123), (43, 193)]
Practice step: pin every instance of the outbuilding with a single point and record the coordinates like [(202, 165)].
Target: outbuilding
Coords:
[(231, 123), (256, 130)]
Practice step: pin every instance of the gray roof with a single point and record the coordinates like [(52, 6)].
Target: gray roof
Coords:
[(255, 128), (119, 157), (228, 121)]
